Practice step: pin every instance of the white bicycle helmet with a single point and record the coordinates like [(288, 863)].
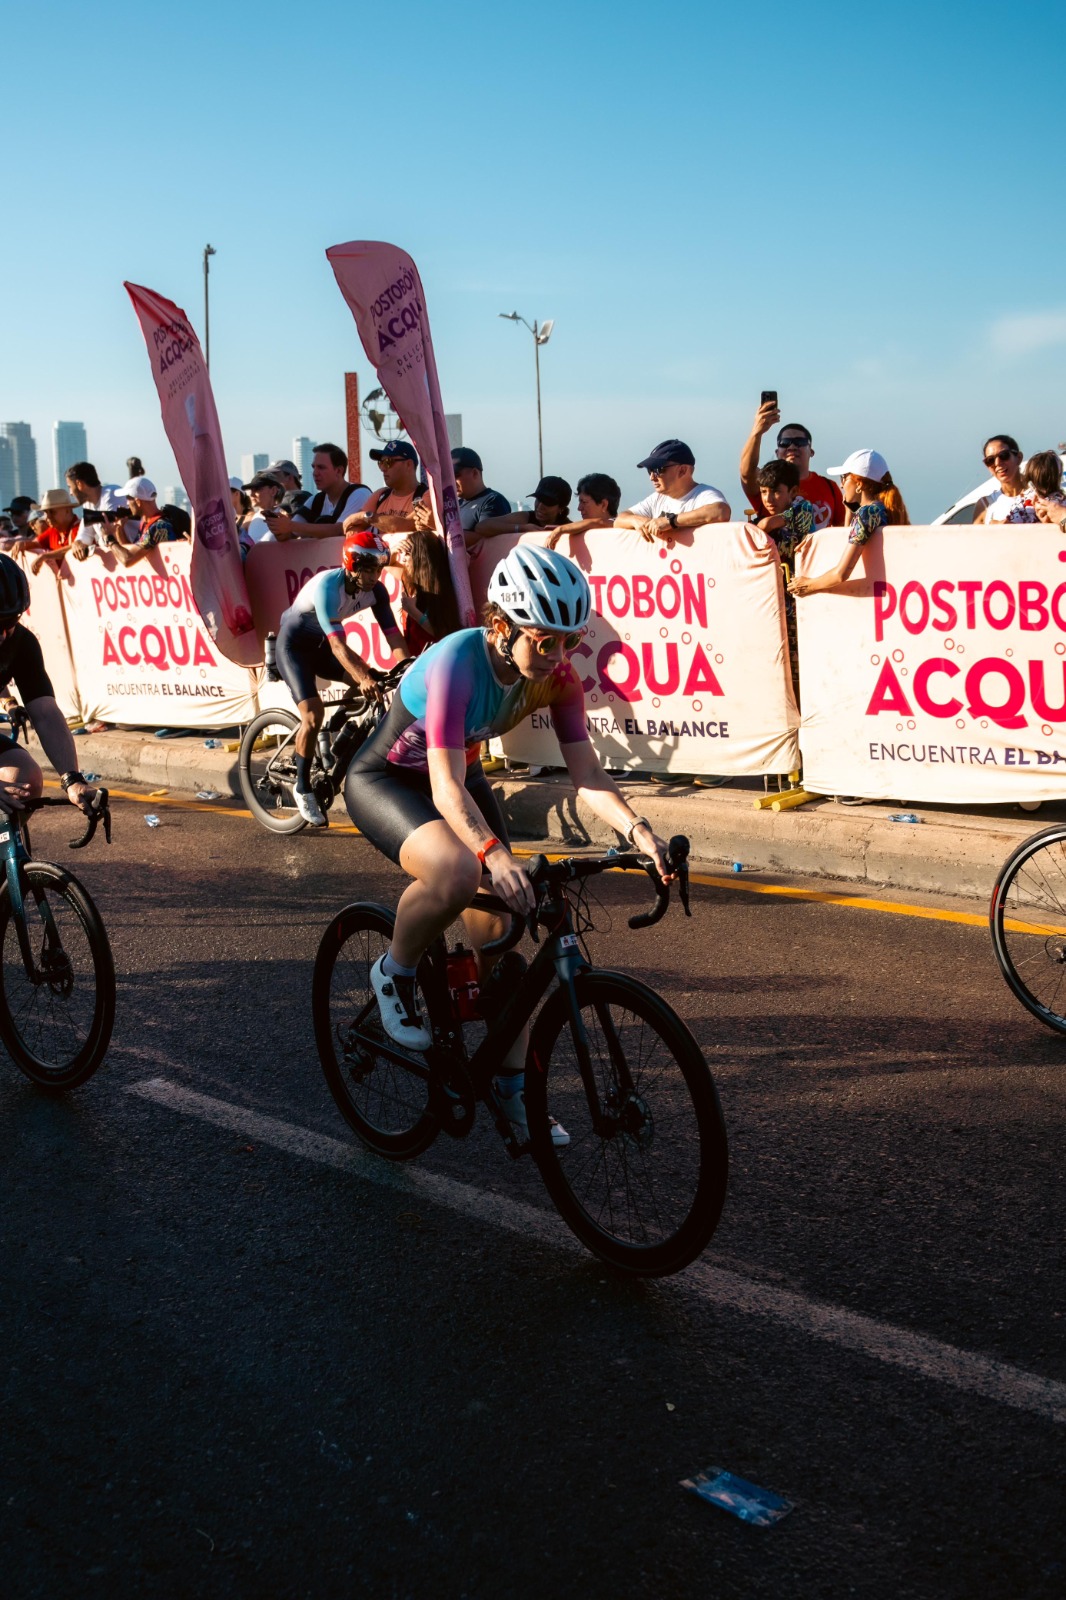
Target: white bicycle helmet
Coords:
[(540, 588)]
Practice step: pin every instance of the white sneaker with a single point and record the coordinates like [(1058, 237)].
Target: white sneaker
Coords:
[(398, 1005), (308, 807), (514, 1109)]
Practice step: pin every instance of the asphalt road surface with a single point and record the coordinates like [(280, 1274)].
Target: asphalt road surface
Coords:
[(243, 1358)]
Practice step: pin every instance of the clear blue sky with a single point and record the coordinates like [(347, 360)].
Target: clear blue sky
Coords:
[(859, 207)]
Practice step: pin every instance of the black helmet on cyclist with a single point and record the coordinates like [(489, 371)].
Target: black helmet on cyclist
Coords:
[(14, 590), (540, 588)]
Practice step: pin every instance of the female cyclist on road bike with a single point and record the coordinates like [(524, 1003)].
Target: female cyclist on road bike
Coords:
[(418, 792), (311, 644)]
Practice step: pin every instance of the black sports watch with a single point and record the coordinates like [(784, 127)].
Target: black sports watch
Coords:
[(66, 779), (671, 517)]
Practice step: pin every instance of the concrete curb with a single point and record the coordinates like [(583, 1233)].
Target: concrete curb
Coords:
[(951, 852)]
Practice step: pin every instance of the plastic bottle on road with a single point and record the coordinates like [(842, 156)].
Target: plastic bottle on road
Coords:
[(904, 816), (151, 819)]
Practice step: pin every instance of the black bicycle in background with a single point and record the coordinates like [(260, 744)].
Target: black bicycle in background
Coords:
[(266, 761), (1027, 920), (643, 1180), (57, 973)]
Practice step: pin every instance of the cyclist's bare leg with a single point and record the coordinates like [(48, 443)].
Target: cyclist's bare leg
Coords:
[(481, 926), (445, 878), (20, 779), (311, 713)]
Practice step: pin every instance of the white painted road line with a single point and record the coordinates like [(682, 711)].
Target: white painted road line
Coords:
[(866, 1336)]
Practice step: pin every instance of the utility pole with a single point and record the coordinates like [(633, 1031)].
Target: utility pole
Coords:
[(209, 250)]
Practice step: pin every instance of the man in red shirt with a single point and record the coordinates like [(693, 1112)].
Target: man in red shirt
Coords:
[(793, 444), (60, 531)]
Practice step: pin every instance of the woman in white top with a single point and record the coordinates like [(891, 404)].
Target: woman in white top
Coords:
[(1013, 500)]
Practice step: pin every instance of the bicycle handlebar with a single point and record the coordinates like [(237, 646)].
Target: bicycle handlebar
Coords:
[(544, 874), (101, 812)]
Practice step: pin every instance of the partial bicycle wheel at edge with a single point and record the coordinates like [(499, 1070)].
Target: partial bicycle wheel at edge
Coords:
[(56, 1031), (1027, 920), (645, 1190), (386, 1103), (266, 770)]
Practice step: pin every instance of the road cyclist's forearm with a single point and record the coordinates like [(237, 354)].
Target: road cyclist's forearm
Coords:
[(57, 741)]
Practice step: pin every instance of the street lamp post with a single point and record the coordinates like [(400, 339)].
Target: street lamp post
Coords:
[(209, 250), (541, 332)]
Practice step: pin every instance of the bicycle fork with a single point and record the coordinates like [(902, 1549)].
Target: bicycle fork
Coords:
[(15, 857)]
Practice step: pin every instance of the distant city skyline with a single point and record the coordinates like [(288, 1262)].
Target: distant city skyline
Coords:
[(69, 444), (258, 461), (22, 456), (303, 450)]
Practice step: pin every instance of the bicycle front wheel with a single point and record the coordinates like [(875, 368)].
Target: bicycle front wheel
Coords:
[(1027, 920), (55, 1024), (643, 1180), (385, 1100), (266, 771)]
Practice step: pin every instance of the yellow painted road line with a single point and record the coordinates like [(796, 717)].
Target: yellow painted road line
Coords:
[(852, 902)]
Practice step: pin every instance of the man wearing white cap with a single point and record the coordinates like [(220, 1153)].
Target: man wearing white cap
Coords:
[(873, 501), (152, 529)]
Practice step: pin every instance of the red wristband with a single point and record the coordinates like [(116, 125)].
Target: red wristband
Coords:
[(491, 845)]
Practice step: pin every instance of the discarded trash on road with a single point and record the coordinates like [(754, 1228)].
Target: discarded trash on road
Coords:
[(761, 1507), (208, 794), (904, 816), (212, 744), (151, 819), (738, 866)]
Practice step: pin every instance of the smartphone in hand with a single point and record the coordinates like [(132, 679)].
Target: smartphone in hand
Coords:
[(769, 397)]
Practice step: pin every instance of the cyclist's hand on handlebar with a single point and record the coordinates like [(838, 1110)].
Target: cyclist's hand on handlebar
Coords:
[(510, 882), (84, 796), (13, 797), (657, 848)]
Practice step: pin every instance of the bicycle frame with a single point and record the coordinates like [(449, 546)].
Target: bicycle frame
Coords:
[(16, 856)]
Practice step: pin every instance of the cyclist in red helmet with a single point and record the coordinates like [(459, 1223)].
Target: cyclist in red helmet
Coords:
[(311, 645)]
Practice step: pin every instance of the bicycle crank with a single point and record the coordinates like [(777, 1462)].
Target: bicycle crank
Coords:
[(453, 1101)]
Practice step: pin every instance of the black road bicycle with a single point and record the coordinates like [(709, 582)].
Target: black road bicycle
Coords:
[(57, 974), (643, 1180), (1027, 919), (266, 762)]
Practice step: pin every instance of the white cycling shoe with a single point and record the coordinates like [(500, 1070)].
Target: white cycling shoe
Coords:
[(514, 1109), (398, 1008), (308, 807)]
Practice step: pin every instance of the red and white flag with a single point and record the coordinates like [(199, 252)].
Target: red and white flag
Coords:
[(380, 282), (191, 424)]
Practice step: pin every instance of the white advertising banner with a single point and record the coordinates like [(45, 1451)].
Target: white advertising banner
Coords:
[(46, 619), (142, 653), (685, 663), (938, 671)]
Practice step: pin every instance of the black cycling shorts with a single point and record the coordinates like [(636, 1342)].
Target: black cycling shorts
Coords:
[(7, 744), (303, 654), (388, 802)]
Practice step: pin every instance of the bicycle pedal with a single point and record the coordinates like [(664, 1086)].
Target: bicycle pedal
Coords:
[(454, 1109)]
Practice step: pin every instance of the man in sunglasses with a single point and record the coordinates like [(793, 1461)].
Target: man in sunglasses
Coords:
[(794, 444), (1012, 500), (22, 663), (676, 502)]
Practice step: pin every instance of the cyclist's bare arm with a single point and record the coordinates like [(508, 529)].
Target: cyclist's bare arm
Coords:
[(57, 741), (599, 791), (447, 776)]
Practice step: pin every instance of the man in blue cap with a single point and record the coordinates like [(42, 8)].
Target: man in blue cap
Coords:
[(677, 501)]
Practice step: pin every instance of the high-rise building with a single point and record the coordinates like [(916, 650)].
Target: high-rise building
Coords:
[(174, 495), (303, 450), (7, 471), (24, 452), (453, 421), (69, 444), (252, 464)]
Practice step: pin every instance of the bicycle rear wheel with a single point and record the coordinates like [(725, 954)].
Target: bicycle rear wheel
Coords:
[(56, 1029), (266, 771), (641, 1184), (385, 1101), (1027, 920)]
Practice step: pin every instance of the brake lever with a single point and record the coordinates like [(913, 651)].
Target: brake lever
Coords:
[(678, 850), (101, 812)]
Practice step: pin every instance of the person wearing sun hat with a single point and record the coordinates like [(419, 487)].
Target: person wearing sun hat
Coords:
[(873, 502), (60, 528)]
